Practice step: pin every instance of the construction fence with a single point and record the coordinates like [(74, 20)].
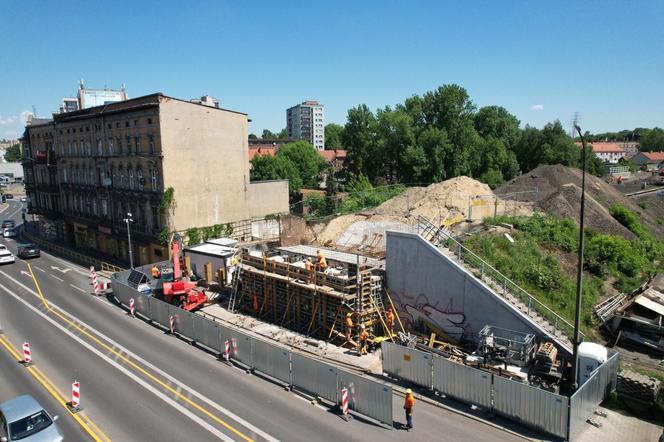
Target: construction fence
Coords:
[(366, 396), (543, 410)]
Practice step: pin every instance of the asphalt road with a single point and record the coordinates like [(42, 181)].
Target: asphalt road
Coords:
[(138, 383)]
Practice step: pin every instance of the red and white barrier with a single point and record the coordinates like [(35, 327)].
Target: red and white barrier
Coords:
[(171, 324), (95, 283), (234, 347), (344, 401), (75, 395), (131, 306), (27, 356), (227, 352)]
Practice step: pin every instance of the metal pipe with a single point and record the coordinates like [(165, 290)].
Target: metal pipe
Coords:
[(579, 274)]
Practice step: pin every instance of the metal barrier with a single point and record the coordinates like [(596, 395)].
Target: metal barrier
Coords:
[(532, 406), (408, 364), (585, 400), (367, 396), (315, 377), (271, 360), (462, 382)]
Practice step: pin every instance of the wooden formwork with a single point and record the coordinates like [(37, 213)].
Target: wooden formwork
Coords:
[(308, 302)]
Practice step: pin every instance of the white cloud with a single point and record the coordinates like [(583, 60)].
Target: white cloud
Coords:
[(7, 120), (24, 116), (11, 133), (537, 107)]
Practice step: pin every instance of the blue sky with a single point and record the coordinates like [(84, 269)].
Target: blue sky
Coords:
[(542, 60)]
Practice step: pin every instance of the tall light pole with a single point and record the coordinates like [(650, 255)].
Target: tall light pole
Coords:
[(579, 270), (128, 220)]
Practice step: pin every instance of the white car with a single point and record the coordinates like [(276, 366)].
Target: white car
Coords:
[(24, 199), (6, 257), (9, 232)]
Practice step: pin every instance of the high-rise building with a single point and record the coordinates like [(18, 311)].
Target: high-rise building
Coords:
[(86, 170), (306, 121)]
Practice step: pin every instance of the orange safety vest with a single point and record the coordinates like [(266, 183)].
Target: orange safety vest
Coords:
[(410, 402), (390, 318), (254, 303), (349, 322), (364, 335)]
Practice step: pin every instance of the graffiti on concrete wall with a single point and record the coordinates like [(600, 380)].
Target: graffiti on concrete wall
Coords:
[(419, 313)]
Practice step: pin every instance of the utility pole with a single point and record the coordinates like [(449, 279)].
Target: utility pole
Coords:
[(579, 274), (128, 220)]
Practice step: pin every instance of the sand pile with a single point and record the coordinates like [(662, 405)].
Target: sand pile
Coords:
[(556, 197)]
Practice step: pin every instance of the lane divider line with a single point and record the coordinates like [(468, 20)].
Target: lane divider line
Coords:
[(133, 376), (41, 295), (98, 435), (119, 353), (59, 279)]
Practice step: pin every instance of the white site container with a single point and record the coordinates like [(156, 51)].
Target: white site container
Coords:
[(591, 356)]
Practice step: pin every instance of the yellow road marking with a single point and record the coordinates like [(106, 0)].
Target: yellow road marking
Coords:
[(41, 295), (53, 391)]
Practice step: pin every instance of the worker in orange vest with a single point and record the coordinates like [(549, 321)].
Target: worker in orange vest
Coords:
[(390, 321), (322, 262), (254, 303), (363, 341), (349, 326), (408, 406)]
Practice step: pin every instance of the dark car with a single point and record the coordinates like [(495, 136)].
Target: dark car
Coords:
[(8, 223), (9, 196), (28, 251)]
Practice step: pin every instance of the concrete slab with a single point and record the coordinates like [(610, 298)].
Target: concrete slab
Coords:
[(298, 342), (619, 426)]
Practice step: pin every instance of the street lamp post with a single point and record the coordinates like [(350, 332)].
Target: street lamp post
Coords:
[(128, 220), (579, 274)]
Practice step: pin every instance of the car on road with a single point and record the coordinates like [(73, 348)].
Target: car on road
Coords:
[(8, 223), (6, 257), (24, 199), (9, 232), (9, 196), (28, 251), (22, 418)]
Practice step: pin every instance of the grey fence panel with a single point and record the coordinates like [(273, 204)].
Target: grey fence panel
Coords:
[(158, 311), (407, 364), (271, 360), (532, 406), (462, 382), (244, 345), (207, 332), (122, 291), (183, 321), (142, 304), (314, 377), (366, 396)]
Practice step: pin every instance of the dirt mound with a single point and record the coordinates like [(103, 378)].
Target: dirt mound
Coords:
[(559, 194)]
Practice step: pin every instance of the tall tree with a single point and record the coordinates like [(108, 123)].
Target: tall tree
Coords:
[(283, 133), (268, 134), (497, 122), (333, 136), (652, 141), (13, 153), (359, 140)]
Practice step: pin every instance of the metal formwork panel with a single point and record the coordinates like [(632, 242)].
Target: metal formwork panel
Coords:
[(272, 360), (159, 311), (207, 332), (407, 364), (314, 377), (462, 382), (532, 406), (183, 323), (366, 396)]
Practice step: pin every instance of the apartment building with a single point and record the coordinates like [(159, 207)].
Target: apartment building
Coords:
[(86, 170), (306, 121)]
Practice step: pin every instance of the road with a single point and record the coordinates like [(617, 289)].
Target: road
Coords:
[(138, 383)]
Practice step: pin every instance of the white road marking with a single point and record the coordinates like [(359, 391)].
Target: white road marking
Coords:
[(39, 268), (122, 369), (23, 272), (77, 288), (59, 279), (165, 375), (65, 270)]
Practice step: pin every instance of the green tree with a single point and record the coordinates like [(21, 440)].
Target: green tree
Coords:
[(13, 153), (333, 136), (253, 137), (497, 122), (394, 133), (652, 141), (306, 159), (283, 133), (359, 139), (268, 134)]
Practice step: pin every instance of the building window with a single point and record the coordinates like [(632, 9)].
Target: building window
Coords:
[(110, 146), (104, 208), (100, 147), (153, 179), (118, 141), (139, 177), (151, 143), (127, 123), (128, 142), (117, 124), (137, 141), (131, 179), (149, 120), (155, 218), (135, 122)]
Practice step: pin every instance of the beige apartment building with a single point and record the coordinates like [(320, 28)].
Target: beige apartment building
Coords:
[(85, 170)]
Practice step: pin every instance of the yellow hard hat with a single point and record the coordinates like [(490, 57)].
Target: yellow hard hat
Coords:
[(349, 315), (409, 391)]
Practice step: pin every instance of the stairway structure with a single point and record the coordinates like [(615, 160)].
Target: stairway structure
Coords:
[(556, 326)]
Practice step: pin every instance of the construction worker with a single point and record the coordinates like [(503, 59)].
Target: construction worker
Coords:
[(322, 262), (308, 264), (363, 340), (155, 272), (349, 327), (390, 321), (408, 406)]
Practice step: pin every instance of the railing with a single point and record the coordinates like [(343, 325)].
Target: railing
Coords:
[(75, 256), (506, 285)]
